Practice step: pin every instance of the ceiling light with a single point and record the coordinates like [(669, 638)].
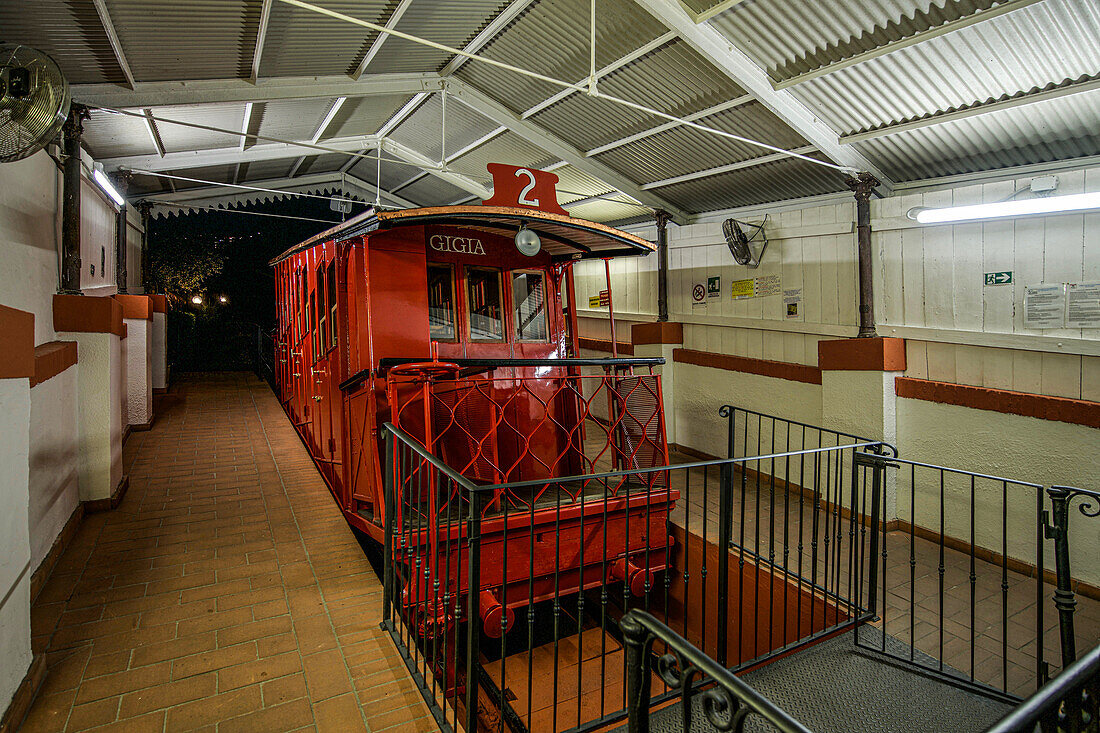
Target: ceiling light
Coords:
[(528, 242), (1045, 205), (105, 183)]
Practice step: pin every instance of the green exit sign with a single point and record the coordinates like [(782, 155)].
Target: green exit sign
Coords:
[(998, 278)]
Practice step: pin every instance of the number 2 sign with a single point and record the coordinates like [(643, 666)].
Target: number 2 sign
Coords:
[(527, 188)]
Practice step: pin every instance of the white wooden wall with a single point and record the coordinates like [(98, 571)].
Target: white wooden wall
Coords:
[(929, 288)]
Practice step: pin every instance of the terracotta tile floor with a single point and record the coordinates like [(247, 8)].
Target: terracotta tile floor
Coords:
[(225, 593)]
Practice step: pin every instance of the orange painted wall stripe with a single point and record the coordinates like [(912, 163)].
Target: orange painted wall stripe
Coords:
[(87, 314), (764, 367), (1061, 409), (138, 307), (50, 359), (866, 354), (17, 342)]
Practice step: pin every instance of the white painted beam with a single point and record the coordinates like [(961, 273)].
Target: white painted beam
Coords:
[(488, 33), (213, 91), (431, 167), (717, 49), (112, 37), (381, 38), (494, 110), (154, 133), (729, 168), (402, 114), (476, 144), (229, 156), (226, 194), (261, 36)]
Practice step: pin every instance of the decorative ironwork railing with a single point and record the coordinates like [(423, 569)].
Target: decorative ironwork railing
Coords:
[(509, 612)]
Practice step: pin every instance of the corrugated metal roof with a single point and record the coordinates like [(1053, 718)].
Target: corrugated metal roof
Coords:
[(423, 130), (788, 38), (575, 184), (69, 32), (322, 164), (110, 136), (432, 191), (450, 22), (607, 211), (1058, 129), (263, 170), (552, 39), (393, 174), (507, 147), (365, 115), (687, 150), (292, 119), (779, 181), (214, 39), (180, 137), (304, 43), (1026, 49)]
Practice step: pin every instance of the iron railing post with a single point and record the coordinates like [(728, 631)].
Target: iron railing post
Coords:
[(725, 527), (638, 674), (1058, 530), (388, 468), (473, 634), (878, 468)]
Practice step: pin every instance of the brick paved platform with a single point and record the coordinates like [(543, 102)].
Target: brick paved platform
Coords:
[(225, 593)]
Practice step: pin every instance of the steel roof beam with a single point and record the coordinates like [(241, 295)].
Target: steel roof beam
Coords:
[(418, 160), (973, 110), (214, 91), (229, 156), (717, 49), (494, 110), (488, 33), (739, 165), (919, 37), (381, 38), (154, 132), (261, 35), (112, 37)]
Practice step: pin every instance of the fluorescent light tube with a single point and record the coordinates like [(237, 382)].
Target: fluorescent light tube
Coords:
[(105, 183), (1045, 205)]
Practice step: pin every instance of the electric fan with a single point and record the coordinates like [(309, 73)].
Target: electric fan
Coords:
[(746, 250), (34, 101)]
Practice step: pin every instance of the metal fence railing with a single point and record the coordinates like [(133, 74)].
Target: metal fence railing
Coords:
[(508, 613)]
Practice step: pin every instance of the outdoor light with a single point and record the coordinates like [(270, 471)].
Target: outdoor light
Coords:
[(196, 299), (105, 183), (1045, 205), (527, 241), (222, 299)]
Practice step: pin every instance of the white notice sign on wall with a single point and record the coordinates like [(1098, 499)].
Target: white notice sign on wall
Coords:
[(1044, 306), (1083, 305)]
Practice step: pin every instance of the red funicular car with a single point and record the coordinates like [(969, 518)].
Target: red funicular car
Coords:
[(460, 329)]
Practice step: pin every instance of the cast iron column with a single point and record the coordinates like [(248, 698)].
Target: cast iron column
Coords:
[(663, 218), (70, 200), (862, 186), (144, 207), (122, 182)]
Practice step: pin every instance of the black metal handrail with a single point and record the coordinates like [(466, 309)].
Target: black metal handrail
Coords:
[(1056, 527), (1070, 703), (727, 701)]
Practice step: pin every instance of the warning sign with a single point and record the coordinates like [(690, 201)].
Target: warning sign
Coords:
[(743, 289), (698, 295), (593, 301)]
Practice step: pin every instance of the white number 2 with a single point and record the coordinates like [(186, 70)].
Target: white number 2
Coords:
[(527, 189)]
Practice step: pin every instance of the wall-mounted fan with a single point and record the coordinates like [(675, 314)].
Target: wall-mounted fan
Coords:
[(34, 101), (746, 248)]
